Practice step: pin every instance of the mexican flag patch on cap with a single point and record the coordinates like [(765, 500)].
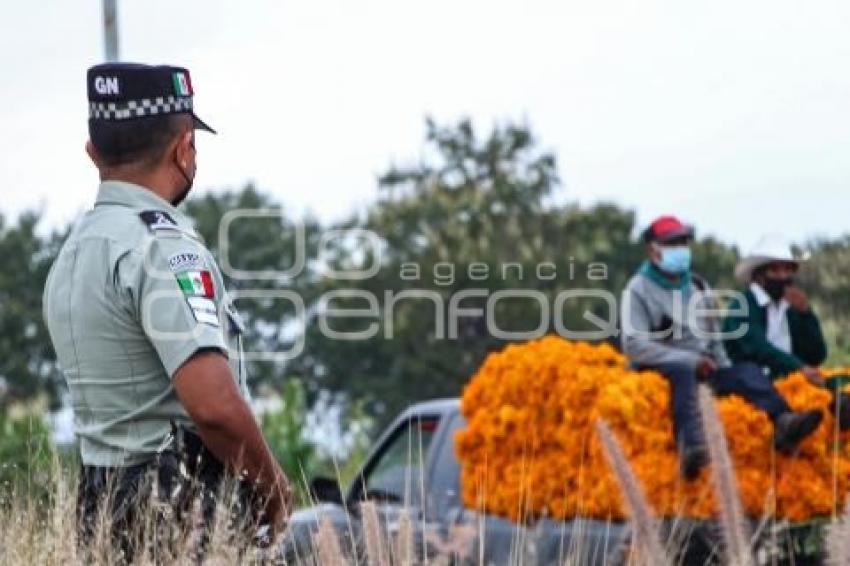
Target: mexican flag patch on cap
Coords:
[(182, 84), (196, 283)]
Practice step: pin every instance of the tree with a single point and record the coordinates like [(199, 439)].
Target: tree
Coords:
[(477, 206), (27, 364), (480, 206), (826, 277)]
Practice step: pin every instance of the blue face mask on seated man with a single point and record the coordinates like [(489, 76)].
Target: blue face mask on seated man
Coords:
[(675, 260)]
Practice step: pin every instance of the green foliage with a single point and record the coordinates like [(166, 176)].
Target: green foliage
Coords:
[(358, 425), (284, 432), (826, 276), (26, 364), (715, 261), (480, 204), (26, 457)]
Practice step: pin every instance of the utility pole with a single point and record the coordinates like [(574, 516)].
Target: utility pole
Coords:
[(110, 29)]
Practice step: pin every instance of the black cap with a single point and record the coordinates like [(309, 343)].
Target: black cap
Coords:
[(123, 91)]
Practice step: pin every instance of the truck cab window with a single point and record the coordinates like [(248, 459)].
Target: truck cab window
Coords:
[(396, 475), (445, 478)]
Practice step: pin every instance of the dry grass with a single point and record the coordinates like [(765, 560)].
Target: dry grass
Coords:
[(328, 550), (44, 532), (644, 525), (732, 521)]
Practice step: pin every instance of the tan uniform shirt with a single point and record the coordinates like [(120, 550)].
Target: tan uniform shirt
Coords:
[(133, 295)]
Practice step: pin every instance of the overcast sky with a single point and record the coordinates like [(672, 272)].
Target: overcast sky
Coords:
[(732, 114)]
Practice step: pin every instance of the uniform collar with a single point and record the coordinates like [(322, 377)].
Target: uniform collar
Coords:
[(762, 298), (137, 197)]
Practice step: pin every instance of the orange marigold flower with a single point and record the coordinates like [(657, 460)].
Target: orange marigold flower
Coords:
[(529, 447)]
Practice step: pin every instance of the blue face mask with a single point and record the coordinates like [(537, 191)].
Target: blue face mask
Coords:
[(675, 260)]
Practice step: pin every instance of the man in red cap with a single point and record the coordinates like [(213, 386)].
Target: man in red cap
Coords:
[(670, 324)]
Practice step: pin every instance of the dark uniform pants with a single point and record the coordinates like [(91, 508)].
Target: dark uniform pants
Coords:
[(745, 379), (126, 492), (185, 475)]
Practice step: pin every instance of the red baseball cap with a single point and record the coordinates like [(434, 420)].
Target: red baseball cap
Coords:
[(666, 228)]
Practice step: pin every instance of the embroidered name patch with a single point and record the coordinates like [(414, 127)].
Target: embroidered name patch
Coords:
[(186, 261), (204, 310), (196, 283)]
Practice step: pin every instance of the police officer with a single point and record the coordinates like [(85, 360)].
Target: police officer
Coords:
[(143, 328)]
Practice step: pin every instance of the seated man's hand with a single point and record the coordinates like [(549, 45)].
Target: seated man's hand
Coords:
[(797, 298), (705, 367), (814, 375)]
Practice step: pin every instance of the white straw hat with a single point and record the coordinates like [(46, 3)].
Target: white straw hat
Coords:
[(769, 248)]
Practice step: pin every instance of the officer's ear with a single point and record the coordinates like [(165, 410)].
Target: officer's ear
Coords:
[(185, 148)]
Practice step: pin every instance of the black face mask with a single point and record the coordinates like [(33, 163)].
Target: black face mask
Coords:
[(181, 196), (775, 288)]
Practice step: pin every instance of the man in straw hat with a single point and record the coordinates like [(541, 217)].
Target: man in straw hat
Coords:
[(783, 333), (666, 326)]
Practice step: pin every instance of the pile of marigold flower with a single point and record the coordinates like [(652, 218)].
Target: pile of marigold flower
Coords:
[(530, 449)]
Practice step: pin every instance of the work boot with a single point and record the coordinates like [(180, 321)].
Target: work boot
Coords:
[(790, 428), (691, 461)]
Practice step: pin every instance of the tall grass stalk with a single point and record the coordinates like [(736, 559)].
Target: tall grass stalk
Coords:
[(643, 522), (732, 520), (376, 550), (326, 545), (404, 549), (36, 531)]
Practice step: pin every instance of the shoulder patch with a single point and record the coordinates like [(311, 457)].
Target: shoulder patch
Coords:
[(204, 310), (186, 261), (158, 220)]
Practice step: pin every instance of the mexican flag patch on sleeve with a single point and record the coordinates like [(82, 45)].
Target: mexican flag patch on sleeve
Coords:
[(196, 283)]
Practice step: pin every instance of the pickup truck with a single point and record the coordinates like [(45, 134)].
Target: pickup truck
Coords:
[(413, 467)]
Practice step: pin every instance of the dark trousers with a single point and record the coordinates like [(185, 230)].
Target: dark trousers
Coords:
[(115, 505), (184, 474), (745, 379), (110, 504)]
